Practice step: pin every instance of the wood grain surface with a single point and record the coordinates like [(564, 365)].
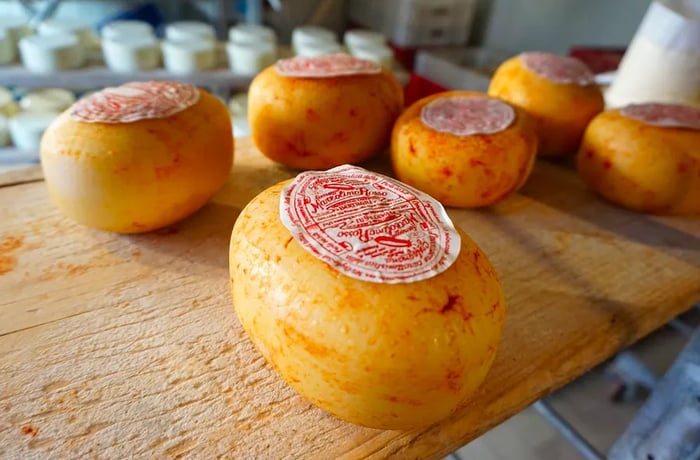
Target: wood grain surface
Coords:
[(116, 346)]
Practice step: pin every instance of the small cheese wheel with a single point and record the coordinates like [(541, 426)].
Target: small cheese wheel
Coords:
[(389, 356), (27, 128), (558, 92), (323, 121), (464, 148), (54, 100), (143, 165), (51, 53), (62, 27), (183, 31), (363, 38), (642, 158), (128, 28), (312, 49), (187, 57), (128, 54)]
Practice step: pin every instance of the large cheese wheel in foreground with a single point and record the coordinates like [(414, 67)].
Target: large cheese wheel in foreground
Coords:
[(316, 113), (341, 302), (464, 148), (645, 157), (137, 157), (558, 92)]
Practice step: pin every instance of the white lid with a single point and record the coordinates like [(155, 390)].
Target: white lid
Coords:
[(49, 42), (135, 41), (251, 33), (47, 100), (362, 37), (186, 30), (126, 29), (315, 34), (381, 54), (189, 45), (312, 49), (61, 26)]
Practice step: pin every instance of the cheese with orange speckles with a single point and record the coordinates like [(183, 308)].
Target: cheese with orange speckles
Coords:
[(476, 160), (131, 172), (644, 158)]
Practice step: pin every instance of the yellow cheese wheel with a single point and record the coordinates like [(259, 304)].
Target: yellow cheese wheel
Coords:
[(317, 122), (559, 94), (649, 166), (391, 356), (137, 175), (461, 170)]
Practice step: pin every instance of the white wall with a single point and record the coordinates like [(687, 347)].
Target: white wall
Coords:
[(556, 25)]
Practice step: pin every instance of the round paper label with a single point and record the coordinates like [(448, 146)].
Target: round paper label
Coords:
[(664, 115), (558, 69), (330, 65), (467, 115), (368, 226), (135, 101)]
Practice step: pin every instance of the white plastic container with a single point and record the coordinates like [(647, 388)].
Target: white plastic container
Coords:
[(50, 53), (127, 54), (26, 129), (132, 29), (189, 30), (362, 37), (381, 54), (662, 64), (250, 58), (62, 27), (188, 57), (305, 39), (47, 100), (251, 33), (8, 51)]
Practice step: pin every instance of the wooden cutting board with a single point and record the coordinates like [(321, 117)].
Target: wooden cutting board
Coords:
[(115, 346)]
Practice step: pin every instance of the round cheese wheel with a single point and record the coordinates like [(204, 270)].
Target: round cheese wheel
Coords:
[(316, 113), (390, 355), (380, 54), (558, 92), (137, 157), (464, 148), (645, 157), (362, 37), (308, 36), (249, 58)]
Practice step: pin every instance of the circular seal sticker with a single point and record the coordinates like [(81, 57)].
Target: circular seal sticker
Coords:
[(558, 69), (329, 65), (368, 226), (135, 101), (466, 115), (664, 115)]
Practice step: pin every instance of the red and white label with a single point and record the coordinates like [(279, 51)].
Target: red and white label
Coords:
[(330, 65), (135, 101), (368, 226), (664, 115), (467, 115), (558, 69)]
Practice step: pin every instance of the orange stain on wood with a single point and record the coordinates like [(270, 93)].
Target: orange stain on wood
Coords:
[(30, 430), (9, 245)]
